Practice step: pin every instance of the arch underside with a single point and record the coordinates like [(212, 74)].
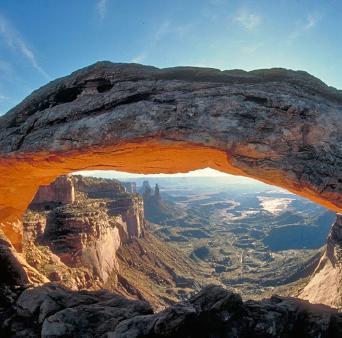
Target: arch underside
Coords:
[(281, 130), (21, 176)]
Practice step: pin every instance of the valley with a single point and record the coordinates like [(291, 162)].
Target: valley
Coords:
[(164, 239), (145, 258), (91, 233), (251, 237)]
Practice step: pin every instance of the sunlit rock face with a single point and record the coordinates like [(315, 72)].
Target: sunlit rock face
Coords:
[(325, 285), (80, 238), (279, 126), (60, 191)]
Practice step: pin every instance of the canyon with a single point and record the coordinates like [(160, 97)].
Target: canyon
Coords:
[(92, 257), (99, 239), (253, 238), (279, 126)]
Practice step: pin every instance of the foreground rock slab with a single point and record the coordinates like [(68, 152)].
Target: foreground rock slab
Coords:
[(51, 311)]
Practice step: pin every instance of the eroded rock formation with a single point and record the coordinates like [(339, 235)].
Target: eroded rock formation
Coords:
[(51, 311), (80, 237), (130, 187), (325, 285), (156, 211), (279, 126), (60, 191), (98, 241)]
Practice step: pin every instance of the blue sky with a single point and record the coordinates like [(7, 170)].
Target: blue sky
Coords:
[(44, 39)]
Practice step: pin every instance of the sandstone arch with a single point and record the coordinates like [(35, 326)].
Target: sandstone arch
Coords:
[(279, 126)]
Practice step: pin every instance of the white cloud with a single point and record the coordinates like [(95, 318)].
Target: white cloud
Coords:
[(166, 29), (16, 42), (247, 19), (154, 40), (101, 7), (311, 21), (139, 58), (159, 34), (2, 97)]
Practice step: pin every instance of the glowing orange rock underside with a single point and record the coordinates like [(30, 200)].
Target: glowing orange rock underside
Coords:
[(21, 175)]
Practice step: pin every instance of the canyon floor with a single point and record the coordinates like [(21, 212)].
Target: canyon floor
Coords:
[(250, 237)]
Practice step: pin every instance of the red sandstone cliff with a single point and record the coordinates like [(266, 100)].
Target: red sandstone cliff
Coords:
[(99, 241), (328, 274), (60, 191), (82, 233)]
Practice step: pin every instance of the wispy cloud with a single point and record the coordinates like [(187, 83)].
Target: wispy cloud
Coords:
[(247, 19), (14, 41), (139, 58), (308, 23), (162, 30), (311, 20), (165, 30), (154, 40), (101, 8)]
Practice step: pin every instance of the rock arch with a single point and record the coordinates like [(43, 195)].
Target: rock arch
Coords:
[(279, 126)]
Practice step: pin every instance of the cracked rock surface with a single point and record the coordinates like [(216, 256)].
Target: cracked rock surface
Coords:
[(51, 311), (277, 125)]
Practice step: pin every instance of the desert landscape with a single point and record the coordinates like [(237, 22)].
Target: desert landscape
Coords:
[(162, 245), (252, 238), (170, 169)]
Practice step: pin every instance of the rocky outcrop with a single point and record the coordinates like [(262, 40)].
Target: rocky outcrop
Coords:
[(51, 311), (81, 237), (155, 209), (84, 236), (97, 187), (15, 275), (60, 191), (101, 241), (131, 213), (325, 286), (131, 187), (11, 270), (216, 312), (279, 126)]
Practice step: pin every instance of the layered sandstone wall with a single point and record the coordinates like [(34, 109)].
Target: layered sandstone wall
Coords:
[(84, 233), (325, 285), (60, 191), (97, 187)]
